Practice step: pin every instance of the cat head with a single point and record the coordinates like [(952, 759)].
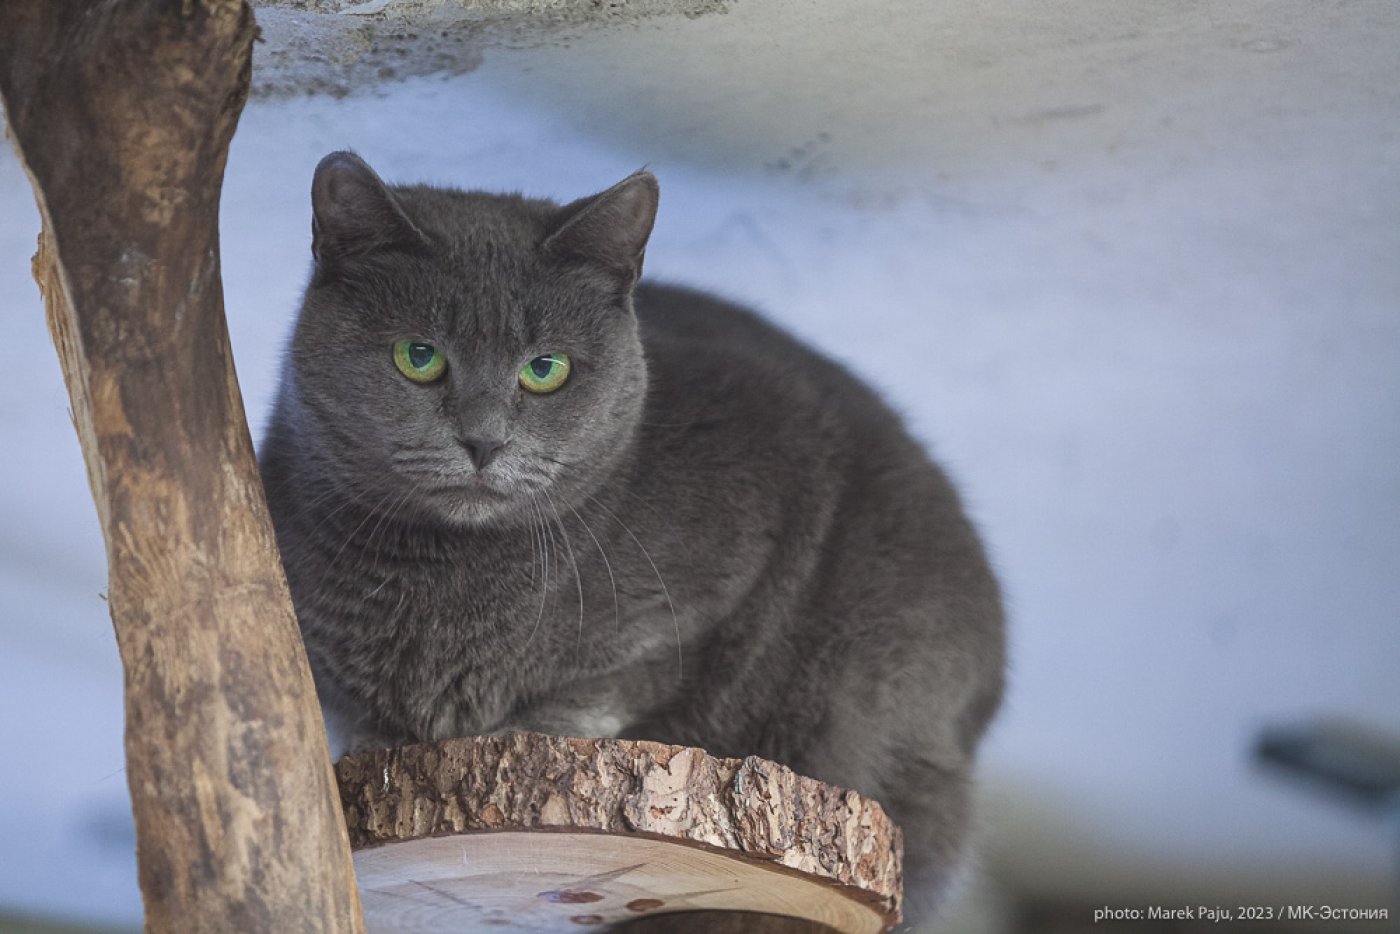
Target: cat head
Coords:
[(462, 356)]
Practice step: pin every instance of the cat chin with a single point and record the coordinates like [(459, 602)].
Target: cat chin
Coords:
[(475, 506)]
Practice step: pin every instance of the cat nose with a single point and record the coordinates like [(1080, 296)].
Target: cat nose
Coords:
[(482, 451)]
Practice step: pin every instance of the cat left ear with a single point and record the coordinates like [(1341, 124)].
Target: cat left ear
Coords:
[(354, 213), (610, 229)]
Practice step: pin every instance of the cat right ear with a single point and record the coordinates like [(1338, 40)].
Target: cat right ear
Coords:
[(610, 230), (354, 213)]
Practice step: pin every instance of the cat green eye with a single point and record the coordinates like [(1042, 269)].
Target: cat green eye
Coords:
[(420, 362), (545, 374)]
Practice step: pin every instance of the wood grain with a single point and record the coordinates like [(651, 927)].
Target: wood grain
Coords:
[(122, 112), (520, 830)]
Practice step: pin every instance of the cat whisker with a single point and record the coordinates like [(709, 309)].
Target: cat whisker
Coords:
[(311, 502), (350, 537), (578, 581), (352, 497), (383, 523), (617, 608), (534, 553), (682, 539), (544, 581), (387, 514), (675, 620), (325, 585)]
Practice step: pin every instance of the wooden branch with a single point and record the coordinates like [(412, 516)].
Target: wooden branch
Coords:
[(122, 112), (544, 833)]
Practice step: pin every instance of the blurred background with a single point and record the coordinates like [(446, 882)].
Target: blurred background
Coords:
[(1131, 271)]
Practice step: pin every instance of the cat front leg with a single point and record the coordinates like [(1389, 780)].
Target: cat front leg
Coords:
[(590, 710), (565, 720)]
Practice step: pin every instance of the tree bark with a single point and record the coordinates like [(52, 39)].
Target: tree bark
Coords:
[(122, 112), (545, 833)]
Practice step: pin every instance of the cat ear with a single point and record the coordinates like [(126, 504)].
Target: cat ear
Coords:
[(610, 229), (353, 212)]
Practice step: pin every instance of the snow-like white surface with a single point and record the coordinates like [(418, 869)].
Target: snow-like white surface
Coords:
[(1166, 374)]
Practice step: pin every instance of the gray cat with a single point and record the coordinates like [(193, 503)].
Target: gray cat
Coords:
[(516, 489)]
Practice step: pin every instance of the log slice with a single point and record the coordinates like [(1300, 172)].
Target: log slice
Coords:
[(531, 832)]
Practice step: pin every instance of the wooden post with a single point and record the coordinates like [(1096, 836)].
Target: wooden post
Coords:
[(122, 112)]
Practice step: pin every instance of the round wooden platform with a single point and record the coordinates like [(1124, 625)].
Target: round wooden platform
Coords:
[(530, 832)]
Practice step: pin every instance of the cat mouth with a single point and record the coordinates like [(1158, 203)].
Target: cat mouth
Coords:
[(473, 489), (470, 501)]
